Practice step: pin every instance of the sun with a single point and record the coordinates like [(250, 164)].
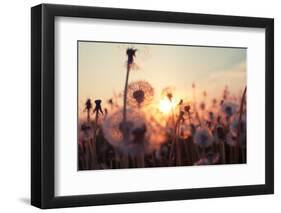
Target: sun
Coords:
[(165, 105)]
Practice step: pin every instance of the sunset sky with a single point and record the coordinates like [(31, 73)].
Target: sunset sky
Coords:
[(102, 69)]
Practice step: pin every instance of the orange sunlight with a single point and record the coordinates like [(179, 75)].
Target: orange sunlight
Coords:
[(165, 105)]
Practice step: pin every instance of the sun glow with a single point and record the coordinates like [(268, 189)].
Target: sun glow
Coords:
[(166, 106)]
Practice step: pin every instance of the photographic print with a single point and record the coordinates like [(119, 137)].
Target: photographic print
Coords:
[(109, 106), (160, 105)]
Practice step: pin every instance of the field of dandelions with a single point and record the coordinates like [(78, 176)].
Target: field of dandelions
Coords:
[(135, 134)]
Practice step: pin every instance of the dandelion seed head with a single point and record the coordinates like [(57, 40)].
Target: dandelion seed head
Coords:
[(88, 104), (98, 108), (131, 53), (202, 106), (235, 122), (168, 93), (86, 132), (140, 93), (193, 85), (141, 135), (211, 115), (181, 102), (243, 128), (229, 108), (214, 102), (203, 137), (219, 133), (231, 139), (225, 93), (110, 101), (205, 93), (187, 108)]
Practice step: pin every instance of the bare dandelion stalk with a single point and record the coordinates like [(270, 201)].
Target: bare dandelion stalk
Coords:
[(88, 107), (222, 148), (125, 94), (131, 54), (194, 104), (175, 142), (97, 111), (239, 124)]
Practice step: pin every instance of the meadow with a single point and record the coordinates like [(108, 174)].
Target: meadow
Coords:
[(140, 127)]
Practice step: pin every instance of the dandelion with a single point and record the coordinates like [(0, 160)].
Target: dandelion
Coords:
[(234, 124), (135, 146), (97, 110), (187, 108), (85, 145), (140, 93), (211, 115), (110, 103), (229, 108), (203, 137), (87, 131), (243, 100), (180, 102), (105, 112), (214, 102), (168, 93), (202, 106), (194, 94), (234, 128), (131, 53), (136, 127), (88, 107), (168, 103), (204, 93), (231, 139), (219, 133), (225, 93), (193, 85)]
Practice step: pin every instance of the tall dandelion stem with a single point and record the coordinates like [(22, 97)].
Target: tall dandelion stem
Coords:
[(131, 54), (88, 115), (125, 158), (175, 147), (222, 150), (239, 124), (88, 107), (97, 110), (95, 133), (125, 94)]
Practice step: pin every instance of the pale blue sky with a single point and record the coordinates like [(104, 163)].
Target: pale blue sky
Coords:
[(102, 69)]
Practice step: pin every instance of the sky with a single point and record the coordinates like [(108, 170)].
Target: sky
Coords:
[(102, 69)]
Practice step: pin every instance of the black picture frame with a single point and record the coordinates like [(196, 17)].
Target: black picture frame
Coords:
[(43, 105)]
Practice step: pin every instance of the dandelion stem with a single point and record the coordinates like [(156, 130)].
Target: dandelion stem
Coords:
[(125, 94), (222, 148), (88, 115), (239, 121), (94, 145), (175, 143)]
